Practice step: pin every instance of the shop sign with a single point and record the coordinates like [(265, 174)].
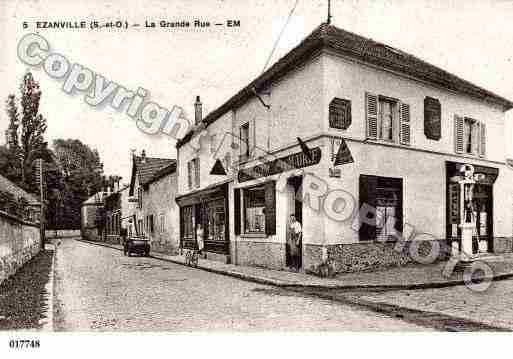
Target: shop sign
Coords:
[(454, 203), (279, 165)]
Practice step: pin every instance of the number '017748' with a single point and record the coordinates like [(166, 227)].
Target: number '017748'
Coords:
[(24, 343)]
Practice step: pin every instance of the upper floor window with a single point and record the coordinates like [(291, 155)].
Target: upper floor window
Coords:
[(469, 136), (193, 173), (387, 119), (244, 141), (139, 197)]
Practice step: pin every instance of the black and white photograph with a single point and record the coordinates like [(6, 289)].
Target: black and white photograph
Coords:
[(215, 175)]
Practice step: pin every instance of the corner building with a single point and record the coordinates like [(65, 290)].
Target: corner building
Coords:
[(382, 127)]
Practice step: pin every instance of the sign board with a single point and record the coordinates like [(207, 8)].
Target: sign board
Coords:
[(454, 203), (279, 165)]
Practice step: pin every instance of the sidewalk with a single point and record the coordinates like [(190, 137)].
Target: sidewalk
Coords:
[(413, 276)]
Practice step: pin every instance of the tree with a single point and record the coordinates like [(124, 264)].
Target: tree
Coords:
[(24, 136), (81, 172)]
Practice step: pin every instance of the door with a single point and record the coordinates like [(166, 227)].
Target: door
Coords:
[(482, 208)]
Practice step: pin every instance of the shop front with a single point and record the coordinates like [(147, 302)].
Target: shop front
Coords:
[(470, 207), (205, 213)]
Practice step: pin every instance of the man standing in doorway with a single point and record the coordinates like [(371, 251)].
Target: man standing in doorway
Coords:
[(295, 232)]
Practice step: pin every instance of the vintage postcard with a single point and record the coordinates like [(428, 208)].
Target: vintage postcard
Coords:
[(242, 167)]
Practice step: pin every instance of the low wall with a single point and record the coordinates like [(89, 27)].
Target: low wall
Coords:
[(356, 257), (259, 254), (61, 233), (20, 241)]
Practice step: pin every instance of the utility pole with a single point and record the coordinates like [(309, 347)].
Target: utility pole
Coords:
[(329, 12)]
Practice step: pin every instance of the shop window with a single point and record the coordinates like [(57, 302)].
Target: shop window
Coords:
[(254, 210), (384, 211), (215, 220), (187, 222)]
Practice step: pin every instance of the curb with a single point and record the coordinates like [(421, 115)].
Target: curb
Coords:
[(282, 284), (47, 324)]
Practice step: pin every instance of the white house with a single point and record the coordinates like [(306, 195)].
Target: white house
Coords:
[(405, 130)]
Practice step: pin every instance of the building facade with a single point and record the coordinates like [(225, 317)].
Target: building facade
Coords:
[(364, 144), (91, 212)]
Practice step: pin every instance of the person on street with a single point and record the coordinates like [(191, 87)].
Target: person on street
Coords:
[(295, 232)]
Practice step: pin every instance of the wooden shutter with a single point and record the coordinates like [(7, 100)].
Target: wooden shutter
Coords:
[(367, 195), (237, 218), (404, 124), (189, 173), (197, 172), (482, 149), (458, 134), (371, 114), (270, 207)]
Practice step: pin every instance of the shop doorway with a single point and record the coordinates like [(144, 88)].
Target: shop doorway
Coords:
[(482, 205), (294, 254)]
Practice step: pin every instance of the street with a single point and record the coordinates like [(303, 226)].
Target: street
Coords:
[(97, 288)]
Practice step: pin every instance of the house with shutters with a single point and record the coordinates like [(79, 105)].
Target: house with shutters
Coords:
[(154, 213), (349, 135)]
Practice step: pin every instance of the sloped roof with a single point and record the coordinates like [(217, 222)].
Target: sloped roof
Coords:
[(352, 45), (147, 167), (8, 186)]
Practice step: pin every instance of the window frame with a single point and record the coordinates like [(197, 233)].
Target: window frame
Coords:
[(394, 125), (245, 200), (244, 141)]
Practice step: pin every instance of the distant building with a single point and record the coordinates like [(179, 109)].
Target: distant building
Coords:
[(153, 188), (91, 212)]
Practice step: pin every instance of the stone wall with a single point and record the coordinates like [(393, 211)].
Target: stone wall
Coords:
[(344, 258), (259, 254), (19, 242)]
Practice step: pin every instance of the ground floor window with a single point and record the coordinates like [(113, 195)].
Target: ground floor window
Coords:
[(383, 198), (215, 219), (187, 222), (254, 210)]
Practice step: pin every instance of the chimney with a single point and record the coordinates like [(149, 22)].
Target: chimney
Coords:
[(143, 156), (197, 111)]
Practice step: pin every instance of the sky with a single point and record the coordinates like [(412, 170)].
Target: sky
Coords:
[(472, 39)]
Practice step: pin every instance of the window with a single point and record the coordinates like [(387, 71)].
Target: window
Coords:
[(254, 210), (187, 222), (340, 113), (388, 119), (162, 223), (139, 197), (140, 228), (193, 173), (384, 213), (244, 141), (216, 220), (387, 110), (469, 136)]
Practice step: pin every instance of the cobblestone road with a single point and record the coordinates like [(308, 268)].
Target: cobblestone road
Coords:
[(97, 288)]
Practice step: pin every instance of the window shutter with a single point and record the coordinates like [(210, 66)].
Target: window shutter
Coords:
[(197, 172), (371, 114), (404, 127), (236, 197), (458, 134), (482, 149), (270, 207), (189, 173), (252, 141), (367, 195)]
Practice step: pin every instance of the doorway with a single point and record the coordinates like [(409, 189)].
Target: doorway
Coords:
[(482, 204), (294, 256)]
